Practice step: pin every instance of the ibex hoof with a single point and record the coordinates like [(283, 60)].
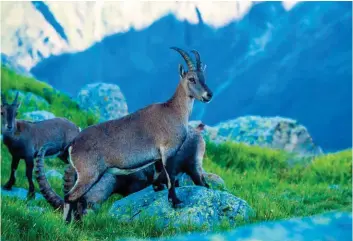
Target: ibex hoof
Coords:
[(176, 203), (7, 186), (158, 188), (31, 195)]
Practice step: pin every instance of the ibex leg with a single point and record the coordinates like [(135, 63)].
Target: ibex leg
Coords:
[(12, 180), (29, 174), (196, 174), (169, 169)]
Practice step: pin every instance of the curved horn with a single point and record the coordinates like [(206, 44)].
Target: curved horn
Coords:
[(186, 57), (198, 59), (3, 99), (16, 98)]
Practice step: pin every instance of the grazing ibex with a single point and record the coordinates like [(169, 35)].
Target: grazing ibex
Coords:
[(135, 141), (189, 158), (24, 138)]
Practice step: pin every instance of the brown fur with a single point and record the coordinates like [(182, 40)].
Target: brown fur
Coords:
[(189, 159), (137, 140), (24, 139)]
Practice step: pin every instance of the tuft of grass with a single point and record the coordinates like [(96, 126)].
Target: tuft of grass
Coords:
[(274, 191), (274, 188), (265, 178)]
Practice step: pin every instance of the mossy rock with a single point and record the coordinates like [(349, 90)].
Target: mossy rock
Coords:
[(201, 207)]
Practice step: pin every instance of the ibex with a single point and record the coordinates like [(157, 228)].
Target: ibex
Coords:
[(135, 141), (24, 138), (189, 158)]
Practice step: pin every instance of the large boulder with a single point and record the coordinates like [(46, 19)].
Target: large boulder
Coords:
[(32, 101), (273, 132), (335, 226), (105, 99), (38, 115), (201, 206)]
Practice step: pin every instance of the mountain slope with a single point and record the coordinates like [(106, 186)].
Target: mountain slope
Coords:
[(271, 62)]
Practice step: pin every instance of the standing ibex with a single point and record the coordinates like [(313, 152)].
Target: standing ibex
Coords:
[(24, 138), (189, 157), (135, 141)]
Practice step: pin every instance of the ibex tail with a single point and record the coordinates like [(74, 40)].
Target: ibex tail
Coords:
[(49, 194)]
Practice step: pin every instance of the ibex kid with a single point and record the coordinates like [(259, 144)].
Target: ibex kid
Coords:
[(135, 141), (24, 138)]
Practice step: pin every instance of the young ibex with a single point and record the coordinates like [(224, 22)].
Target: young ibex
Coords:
[(189, 158), (135, 141), (24, 138)]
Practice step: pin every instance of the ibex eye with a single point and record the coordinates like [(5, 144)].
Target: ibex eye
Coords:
[(192, 80)]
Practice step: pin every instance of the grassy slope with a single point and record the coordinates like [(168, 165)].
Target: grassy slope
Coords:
[(60, 104), (260, 176)]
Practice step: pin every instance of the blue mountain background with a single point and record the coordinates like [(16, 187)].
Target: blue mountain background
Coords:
[(295, 63)]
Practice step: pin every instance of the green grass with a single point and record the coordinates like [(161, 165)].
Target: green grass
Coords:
[(274, 187), (60, 105)]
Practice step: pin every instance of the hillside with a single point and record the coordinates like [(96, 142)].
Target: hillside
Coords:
[(273, 187), (263, 59), (271, 62)]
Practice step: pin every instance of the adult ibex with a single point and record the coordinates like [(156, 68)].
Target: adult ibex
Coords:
[(24, 138), (189, 159), (135, 141)]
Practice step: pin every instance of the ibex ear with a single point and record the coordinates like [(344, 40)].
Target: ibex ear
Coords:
[(181, 71)]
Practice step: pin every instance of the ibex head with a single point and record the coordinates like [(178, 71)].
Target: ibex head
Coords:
[(193, 80), (8, 114)]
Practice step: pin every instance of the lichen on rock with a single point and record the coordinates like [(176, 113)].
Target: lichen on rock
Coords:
[(201, 206), (106, 100)]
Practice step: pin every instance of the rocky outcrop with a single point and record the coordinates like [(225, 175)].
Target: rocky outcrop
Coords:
[(42, 29), (105, 99), (335, 226), (273, 132), (38, 115), (201, 206)]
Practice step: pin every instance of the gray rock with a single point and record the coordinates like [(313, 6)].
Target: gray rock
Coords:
[(38, 115), (28, 99), (18, 192), (215, 181), (273, 132), (53, 173), (201, 206), (36, 209), (334, 226), (105, 99)]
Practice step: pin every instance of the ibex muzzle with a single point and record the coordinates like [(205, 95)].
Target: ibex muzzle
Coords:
[(132, 143)]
